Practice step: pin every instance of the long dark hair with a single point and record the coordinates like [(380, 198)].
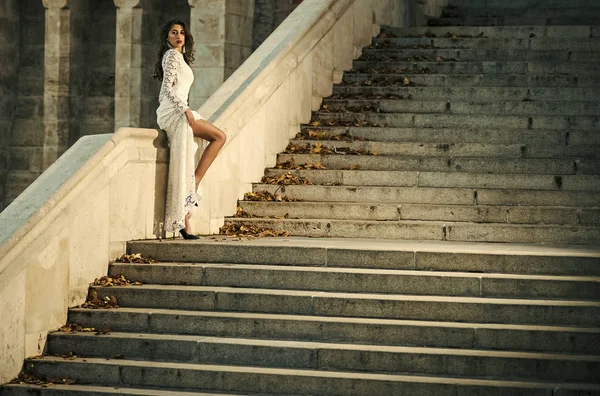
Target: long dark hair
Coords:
[(163, 46)]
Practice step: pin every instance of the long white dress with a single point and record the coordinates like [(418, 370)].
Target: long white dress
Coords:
[(181, 187)]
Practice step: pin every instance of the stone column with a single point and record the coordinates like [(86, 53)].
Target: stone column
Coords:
[(56, 80), (128, 64), (9, 59), (222, 30)]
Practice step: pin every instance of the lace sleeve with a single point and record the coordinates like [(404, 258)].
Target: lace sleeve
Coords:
[(171, 66)]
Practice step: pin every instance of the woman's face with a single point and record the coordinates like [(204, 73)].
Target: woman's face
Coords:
[(177, 37)]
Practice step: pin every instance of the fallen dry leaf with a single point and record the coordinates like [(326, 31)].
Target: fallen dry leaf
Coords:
[(285, 179), (74, 328), (267, 196), (93, 302), (249, 229), (118, 280), (135, 258)]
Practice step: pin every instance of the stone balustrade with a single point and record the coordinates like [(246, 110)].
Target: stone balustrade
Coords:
[(63, 230)]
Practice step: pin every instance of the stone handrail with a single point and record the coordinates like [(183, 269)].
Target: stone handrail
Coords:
[(63, 230)]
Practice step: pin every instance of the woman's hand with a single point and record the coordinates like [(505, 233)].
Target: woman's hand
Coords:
[(189, 116)]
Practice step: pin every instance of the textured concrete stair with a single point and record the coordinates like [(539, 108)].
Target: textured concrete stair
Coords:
[(282, 381), (331, 356), (478, 67), (468, 54), (540, 96), (503, 32), (364, 280), (457, 107), (556, 339), (489, 136), (384, 306), (515, 43), (58, 390), (450, 213), (459, 216), (383, 254), (532, 80)]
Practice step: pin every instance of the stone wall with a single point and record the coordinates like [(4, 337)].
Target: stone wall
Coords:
[(268, 14), (97, 75), (26, 140), (9, 61)]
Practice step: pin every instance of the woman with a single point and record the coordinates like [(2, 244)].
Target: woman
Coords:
[(182, 125)]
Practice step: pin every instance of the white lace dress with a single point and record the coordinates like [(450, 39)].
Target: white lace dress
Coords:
[(181, 187)]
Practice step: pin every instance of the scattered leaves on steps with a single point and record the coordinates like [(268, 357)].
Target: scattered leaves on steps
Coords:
[(362, 108), (447, 35), (371, 95), (68, 356), (268, 197), (285, 179), (323, 135), (318, 148), (291, 164), (394, 81), (75, 328), (248, 229), (93, 302), (119, 280), (307, 148), (392, 70), (335, 122), (240, 213), (29, 379), (135, 258)]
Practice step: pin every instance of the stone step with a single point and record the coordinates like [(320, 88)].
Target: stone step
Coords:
[(488, 136), (529, 43), (534, 20), (450, 213), (383, 306), (454, 179), (382, 254), (531, 81), (539, 11), (354, 280), (503, 32), (327, 356), (518, 4), (442, 196), (467, 55), (357, 100), (430, 230), (283, 381), (585, 155), (423, 163), (568, 339), (94, 390), (464, 95), (485, 67), (438, 120)]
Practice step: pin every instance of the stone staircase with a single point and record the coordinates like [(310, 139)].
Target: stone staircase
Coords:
[(442, 142)]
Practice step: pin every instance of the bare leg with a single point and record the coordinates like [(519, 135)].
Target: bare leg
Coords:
[(205, 130), (188, 228)]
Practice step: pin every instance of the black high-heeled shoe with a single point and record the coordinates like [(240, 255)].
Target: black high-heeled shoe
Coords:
[(185, 235)]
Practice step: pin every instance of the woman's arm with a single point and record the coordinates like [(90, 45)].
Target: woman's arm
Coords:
[(170, 67)]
